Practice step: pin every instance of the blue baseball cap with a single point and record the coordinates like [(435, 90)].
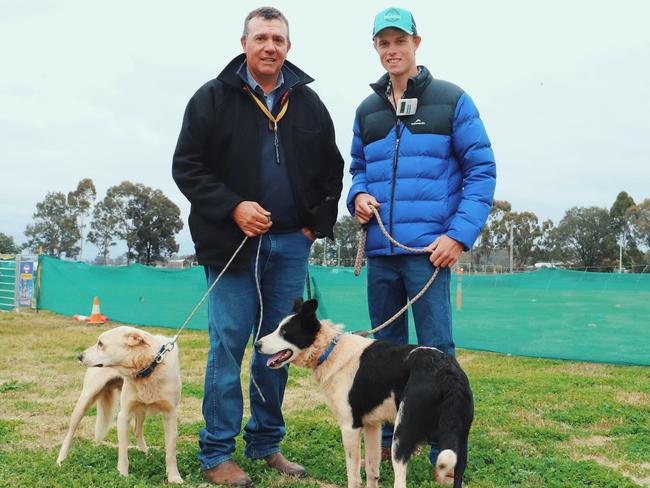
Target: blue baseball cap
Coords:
[(397, 18)]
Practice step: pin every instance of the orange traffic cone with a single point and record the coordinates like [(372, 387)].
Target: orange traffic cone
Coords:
[(96, 316)]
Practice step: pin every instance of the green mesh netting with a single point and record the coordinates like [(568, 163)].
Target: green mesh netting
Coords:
[(600, 317), (133, 294)]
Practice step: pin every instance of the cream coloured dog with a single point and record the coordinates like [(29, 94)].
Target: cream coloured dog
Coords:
[(113, 366)]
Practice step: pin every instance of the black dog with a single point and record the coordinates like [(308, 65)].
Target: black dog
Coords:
[(421, 390)]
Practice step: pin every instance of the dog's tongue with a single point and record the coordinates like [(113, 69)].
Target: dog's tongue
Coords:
[(278, 357)]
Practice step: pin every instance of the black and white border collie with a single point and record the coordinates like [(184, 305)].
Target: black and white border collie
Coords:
[(421, 390)]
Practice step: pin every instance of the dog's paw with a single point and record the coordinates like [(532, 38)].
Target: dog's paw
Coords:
[(176, 478)]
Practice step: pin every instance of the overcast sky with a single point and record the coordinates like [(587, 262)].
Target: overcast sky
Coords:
[(97, 89)]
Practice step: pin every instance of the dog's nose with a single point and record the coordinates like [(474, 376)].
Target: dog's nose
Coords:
[(258, 345), (81, 357)]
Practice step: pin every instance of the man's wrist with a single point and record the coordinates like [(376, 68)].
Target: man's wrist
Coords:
[(361, 193), (457, 242)]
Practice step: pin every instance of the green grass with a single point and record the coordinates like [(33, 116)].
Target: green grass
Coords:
[(12, 385), (193, 390), (538, 422)]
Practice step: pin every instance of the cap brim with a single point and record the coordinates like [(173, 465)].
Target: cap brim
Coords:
[(387, 25)]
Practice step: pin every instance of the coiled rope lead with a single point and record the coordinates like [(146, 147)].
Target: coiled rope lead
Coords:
[(363, 237)]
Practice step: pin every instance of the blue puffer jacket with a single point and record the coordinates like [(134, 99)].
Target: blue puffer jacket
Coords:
[(438, 178)]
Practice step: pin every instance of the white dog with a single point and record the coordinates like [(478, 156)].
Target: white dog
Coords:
[(123, 360)]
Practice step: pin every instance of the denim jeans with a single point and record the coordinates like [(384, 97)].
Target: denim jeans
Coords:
[(391, 280), (233, 314)]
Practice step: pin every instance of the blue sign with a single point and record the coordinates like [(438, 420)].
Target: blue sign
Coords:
[(26, 284)]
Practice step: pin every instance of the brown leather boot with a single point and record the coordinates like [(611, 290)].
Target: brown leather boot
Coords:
[(227, 473), (278, 462)]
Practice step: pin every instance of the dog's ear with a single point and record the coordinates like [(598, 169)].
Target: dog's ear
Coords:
[(309, 307), (308, 319), (133, 339), (297, 304)]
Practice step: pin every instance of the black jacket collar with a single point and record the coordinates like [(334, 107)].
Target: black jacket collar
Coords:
[(229, 75), (414, 87)]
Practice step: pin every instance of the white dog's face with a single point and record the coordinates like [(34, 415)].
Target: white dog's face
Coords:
[(114, 347), (294, 334), (275, 344)]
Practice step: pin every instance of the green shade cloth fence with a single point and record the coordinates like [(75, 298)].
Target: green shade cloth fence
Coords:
[(598, 317)]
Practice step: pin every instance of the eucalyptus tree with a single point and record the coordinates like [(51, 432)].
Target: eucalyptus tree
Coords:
[(55, 229), (585, 235), (8, 245)]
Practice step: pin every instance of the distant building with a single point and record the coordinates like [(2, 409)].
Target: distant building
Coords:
[(178, 263)]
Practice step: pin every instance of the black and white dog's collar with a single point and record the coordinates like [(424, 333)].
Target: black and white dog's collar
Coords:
[(328, 350)]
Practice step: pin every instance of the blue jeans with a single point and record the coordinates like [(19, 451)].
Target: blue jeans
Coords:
[(391, 280), (233, 314)]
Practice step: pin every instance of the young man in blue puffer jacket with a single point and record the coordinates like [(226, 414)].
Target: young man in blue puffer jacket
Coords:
[(420, 154)]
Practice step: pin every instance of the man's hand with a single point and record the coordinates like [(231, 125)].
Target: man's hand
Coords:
[(252, 219), (446, 251), (362, 210), (309, 233)]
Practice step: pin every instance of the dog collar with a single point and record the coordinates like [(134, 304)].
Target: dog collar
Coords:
[(328, 350), (146, 372)]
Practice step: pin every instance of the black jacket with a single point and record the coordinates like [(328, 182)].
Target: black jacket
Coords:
[(217, 161)]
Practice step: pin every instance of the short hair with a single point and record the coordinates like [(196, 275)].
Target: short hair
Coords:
[(267, 13)]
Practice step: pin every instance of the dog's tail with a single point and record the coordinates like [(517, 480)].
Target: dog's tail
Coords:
[(453, 430), (108, 401), (448, 462)]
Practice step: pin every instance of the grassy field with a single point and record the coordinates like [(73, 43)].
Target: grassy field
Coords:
[(538, 422)]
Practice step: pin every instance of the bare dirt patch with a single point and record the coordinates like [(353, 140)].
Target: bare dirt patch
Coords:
[(592, 441), (634, 398)]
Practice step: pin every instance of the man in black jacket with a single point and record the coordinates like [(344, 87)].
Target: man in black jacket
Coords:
[(256, 157)]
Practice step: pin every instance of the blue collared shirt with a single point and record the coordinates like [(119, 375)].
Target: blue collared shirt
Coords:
[(255, 86)]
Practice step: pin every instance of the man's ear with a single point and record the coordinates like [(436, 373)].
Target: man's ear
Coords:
[(133, 339), (243, 43), (309, 307), (297, 305)]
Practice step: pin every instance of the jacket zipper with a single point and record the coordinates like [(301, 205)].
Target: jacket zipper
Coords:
[(392, 189)]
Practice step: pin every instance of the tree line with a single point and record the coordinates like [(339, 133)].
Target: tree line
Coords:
[(142, 218), (147, 222), (590, 238)]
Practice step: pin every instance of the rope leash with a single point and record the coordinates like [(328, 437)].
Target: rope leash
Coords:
[(145, 372), (358, 260), (259, 322), (363, 237)]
